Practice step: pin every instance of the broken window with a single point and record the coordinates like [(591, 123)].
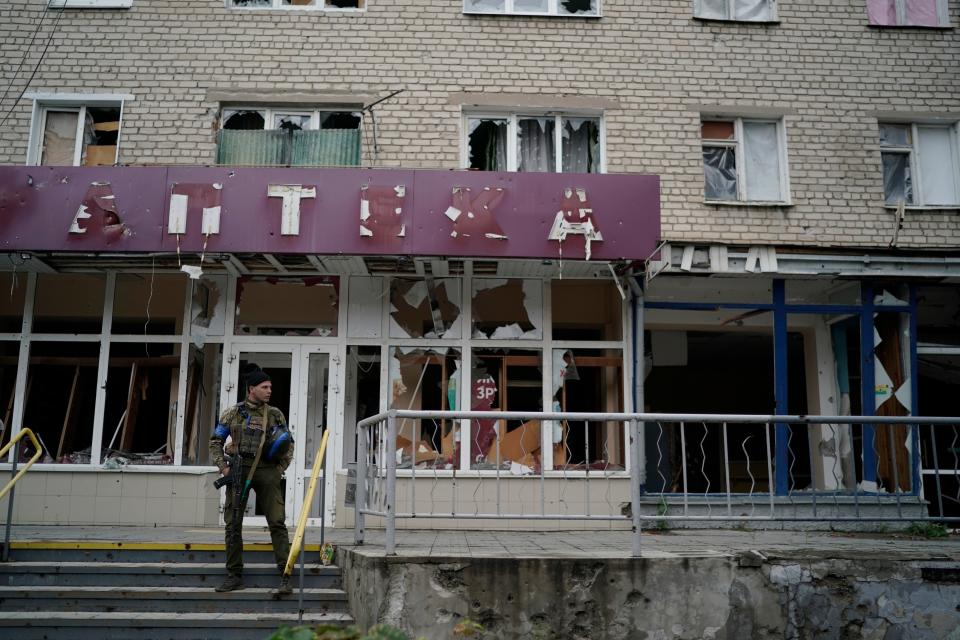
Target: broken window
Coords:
[(287, 307), (208, 308), (201, 402), (298, 4), (506, 380), (908, 13), (61, 392), (148, 304), (543, 143), (425, 379), (552, 7), (743, 160), (13, 287), (586, 310), (588, 380), (140, 415), (425, 308), (70, 303), (282, 137), (506, 309), (736, 10), (921, 164), (9, 356), (365, 307), (362, 398), (73, 135)]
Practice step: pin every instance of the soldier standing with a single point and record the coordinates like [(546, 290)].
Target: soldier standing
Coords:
[(261, 443)]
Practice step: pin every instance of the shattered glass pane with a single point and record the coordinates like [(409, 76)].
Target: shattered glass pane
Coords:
[(425, 379), (339, 120), (895, 135), (711, 9), (505, 309), (291, 121), (148, 304), (68, 303), (251, 3), (762, 162), (531, 6), (588, 380), (13, 286), (487, 140), (243, 120), (578, 7), (897, 182), (536, 144), (506, 380), (753, 10), (300, 3), (586, 310), (425, 308), (720, 173), (485, 5), (287, 307), (59, 138), (581, 145), (202, 402), (345, 4), (716, 130)]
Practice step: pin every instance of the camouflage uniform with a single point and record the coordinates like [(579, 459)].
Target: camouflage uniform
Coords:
[(244, 423)]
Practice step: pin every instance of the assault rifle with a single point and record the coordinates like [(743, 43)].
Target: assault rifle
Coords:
[(234, 481)]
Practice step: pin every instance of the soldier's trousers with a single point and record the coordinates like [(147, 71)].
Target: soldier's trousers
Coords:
[(267, 487)]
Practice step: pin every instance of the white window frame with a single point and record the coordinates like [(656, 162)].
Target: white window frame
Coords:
[(43, 103), (553, 10), (513, 118), (270, 113), (943, 16), (737, 145), (912, 150), (319, 5), (90, 4), (731, 9)]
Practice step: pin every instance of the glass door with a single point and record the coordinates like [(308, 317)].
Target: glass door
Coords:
[(318, 394)]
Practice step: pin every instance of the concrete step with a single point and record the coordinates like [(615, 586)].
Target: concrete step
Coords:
[(180, 600), (145, 625), (78, 551), (155, 574)]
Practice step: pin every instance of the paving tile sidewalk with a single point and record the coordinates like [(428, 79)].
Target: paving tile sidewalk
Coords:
[(546, 544)]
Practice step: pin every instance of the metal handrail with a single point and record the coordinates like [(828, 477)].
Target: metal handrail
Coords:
[(297, 542), (15, 441)]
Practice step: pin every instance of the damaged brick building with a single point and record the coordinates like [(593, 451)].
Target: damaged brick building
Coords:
[(690, 206)]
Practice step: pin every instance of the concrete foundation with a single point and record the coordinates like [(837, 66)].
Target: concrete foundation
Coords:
[(729, 597)]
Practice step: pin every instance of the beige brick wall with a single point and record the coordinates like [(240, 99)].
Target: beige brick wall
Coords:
[(821, 66)]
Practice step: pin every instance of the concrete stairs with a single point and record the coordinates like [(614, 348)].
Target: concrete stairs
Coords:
[(113, 591)]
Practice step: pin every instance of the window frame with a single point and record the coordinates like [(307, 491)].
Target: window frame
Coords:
[(738, 145), (553, 11), (513, 117), (913, 150), (270, 114), (44, 103), (319, 5), (900, 7), (89, 4), (731, 13)]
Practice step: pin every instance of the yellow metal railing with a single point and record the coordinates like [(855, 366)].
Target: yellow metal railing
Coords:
[(13, 441), (297, 542)]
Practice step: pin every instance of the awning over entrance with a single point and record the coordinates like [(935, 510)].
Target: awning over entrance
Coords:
[(329, 212)]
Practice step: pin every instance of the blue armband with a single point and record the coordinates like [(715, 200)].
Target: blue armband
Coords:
[(222, 431)]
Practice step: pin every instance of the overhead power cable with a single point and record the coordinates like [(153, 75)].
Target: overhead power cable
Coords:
[(26, 53), (36, 68)]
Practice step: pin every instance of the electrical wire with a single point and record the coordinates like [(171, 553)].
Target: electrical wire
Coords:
[(26, 54), (36, 68)]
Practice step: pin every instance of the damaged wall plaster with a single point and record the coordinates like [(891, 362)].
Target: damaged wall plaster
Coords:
[(619, 599)]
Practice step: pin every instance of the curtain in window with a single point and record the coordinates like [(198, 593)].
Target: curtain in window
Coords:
[(486, 5), (577, 6), (581, 145), (59, 138), (752, 10), (536, 144), (937, 166), (711, 9), (922, 13), (882, 12), (488, 145), (532, 6), (762, 161), (719, 173), (897, 182)]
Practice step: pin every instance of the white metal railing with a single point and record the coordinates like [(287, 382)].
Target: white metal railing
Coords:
[(696, 467)]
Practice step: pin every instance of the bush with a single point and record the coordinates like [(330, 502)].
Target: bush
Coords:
[(928, 530), (330, 632)]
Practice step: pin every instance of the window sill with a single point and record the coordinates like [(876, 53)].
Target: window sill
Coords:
[(747, 203), (90, 4), (524, 14), (728, 20), (924, 207), (933, 27), (300, 8)]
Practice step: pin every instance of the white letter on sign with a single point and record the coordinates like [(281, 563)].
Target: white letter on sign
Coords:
[(290, 214)]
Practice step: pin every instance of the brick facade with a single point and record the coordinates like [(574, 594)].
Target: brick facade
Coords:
[(821, 67)]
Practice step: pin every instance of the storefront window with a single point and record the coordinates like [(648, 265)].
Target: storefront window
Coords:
[(507, 309), (201, 404), (289, 307), (425, 308), (13, 288), (68, 303), (148, 304), (586, 310)]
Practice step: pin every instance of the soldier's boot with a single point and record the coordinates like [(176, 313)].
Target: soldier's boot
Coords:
[(284, 589), (234, 582)]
